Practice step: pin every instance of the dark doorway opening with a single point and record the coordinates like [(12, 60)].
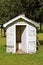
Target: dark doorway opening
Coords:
[(19, 31)]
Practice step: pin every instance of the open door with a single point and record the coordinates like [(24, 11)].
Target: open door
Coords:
[(20, 37), (24, 40)]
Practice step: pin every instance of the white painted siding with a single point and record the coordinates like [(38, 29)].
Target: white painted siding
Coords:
[(31, 39), (10, 38), (28, 38), (24, 43)]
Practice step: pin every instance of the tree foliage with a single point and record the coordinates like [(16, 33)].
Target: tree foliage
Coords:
[(10, 8), (33, 8)]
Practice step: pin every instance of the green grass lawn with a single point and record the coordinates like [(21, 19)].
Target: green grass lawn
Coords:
[(20, 59), (40, 35)]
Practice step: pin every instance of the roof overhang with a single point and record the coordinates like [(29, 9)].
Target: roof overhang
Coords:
[(23, 17)]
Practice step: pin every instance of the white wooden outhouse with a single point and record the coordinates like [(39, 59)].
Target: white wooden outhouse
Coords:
[(21, 35)]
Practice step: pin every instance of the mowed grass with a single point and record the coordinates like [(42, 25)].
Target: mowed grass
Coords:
[(40, 35), (20, 59)]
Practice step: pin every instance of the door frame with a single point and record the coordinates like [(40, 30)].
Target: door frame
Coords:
[(24, 24)]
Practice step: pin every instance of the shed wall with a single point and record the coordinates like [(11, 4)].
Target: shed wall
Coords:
[(31, 39), (10, 38), (28, 38)]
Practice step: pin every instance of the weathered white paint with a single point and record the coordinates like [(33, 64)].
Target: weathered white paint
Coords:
[(14, 50), (28, 37), (31, 39), (9, 38), (24, 43)]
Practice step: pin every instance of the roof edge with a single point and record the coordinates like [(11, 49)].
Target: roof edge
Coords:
[(23, 17)]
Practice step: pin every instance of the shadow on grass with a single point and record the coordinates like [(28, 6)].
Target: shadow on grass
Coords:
[(40, 31), (41, 42)]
